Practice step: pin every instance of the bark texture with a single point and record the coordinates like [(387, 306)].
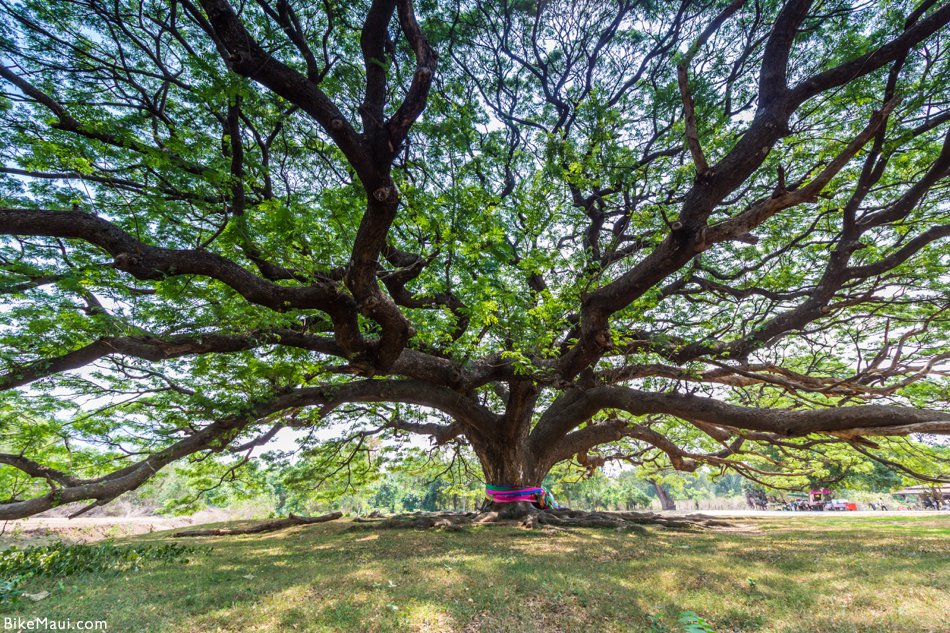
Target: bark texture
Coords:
[(268, 526)]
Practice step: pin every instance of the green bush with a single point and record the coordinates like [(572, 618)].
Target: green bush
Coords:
[(59, 560)]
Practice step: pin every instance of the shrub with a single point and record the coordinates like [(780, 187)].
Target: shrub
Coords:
[(59, 560)]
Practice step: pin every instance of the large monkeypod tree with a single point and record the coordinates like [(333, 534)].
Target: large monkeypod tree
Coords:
[(688, 233)]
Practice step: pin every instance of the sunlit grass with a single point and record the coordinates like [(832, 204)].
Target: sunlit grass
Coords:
[(795, 575)]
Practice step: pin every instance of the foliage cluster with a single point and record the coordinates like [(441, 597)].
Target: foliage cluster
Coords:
[(59, 560), (669, 234)]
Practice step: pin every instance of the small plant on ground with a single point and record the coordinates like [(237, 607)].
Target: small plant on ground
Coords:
[(689, 623), (692, 623)]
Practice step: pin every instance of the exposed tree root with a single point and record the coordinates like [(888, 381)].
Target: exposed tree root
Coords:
[(453, 521), (534, 518), (619, 520), (268, 526)]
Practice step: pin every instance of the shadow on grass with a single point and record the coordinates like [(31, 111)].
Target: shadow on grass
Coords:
[(326, 578)]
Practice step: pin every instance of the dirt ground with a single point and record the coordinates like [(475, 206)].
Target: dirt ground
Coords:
[(791, 515), (87, 529), (83, 529)]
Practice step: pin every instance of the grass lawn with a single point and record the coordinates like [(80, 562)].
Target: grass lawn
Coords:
[(798, 574)]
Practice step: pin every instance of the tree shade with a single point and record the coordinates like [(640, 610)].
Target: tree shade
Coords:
[(665, 233)]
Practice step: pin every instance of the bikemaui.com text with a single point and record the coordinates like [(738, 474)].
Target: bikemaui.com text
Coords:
[(49, 624)]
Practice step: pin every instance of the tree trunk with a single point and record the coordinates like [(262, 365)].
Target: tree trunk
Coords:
[(666, 501), (509, 464), (511, 470)]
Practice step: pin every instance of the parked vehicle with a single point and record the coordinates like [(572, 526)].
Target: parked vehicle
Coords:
[(818, 500), (841, 505)]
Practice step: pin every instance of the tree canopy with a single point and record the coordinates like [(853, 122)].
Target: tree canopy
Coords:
[(669, 233)]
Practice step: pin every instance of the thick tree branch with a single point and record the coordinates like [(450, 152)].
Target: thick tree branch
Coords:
[(248, 58), (871, 61), (144, 261), (578, 406)]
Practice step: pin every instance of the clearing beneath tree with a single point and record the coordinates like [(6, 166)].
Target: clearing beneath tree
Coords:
[(798, 574)]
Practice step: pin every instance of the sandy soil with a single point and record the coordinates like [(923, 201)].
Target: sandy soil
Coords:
[(791, 515), (83, 529)]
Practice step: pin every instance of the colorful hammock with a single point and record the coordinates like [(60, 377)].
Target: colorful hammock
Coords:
[(541, 497)]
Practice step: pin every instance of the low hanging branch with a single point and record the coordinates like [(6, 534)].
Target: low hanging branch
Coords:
[(267, 526)]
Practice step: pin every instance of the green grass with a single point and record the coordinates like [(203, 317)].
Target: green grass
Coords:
[(796, 575)]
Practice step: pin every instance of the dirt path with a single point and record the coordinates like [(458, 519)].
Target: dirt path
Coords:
[(87, 529), (831, 514), (83, 529)]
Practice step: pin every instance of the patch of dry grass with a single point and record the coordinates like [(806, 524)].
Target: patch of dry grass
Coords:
[(793, 575)]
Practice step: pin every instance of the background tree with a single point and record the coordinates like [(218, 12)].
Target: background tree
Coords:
[(666, 233)]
